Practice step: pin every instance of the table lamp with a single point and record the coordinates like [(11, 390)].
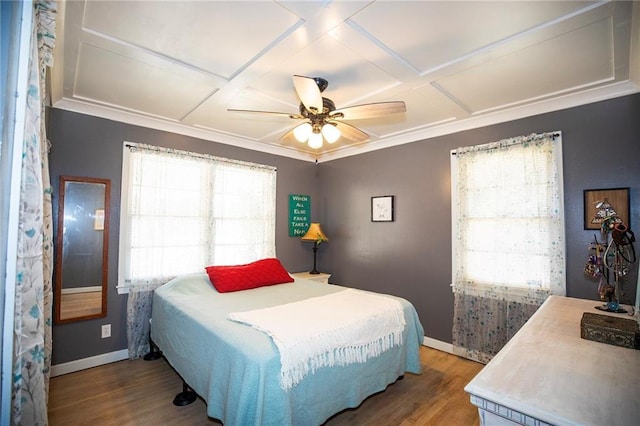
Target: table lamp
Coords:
[(314, 234)]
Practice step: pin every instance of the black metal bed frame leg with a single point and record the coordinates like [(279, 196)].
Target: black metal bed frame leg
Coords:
[(154, 350), (154, 353), (185, 397)]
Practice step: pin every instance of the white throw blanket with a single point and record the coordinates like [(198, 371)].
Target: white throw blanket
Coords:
[(342, 328)]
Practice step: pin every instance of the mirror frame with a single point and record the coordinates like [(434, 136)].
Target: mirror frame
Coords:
[(59, 248)]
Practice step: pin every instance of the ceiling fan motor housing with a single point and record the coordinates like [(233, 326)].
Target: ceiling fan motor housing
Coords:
[(321, 82), (327, 107)]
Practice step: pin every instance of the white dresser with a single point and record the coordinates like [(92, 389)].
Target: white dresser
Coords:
[(321, 277), (547, 374)]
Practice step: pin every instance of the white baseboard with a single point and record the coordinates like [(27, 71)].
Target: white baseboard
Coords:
[(438, 344), (83, 364)]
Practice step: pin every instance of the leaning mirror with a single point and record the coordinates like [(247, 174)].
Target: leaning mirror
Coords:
[(82, 242)]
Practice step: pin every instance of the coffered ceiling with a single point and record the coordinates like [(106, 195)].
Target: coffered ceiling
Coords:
[(178, 66)]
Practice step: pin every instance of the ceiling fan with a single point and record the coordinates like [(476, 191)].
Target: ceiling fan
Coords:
[(322, 119)]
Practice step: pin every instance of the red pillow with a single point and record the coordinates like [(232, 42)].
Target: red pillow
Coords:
[(252, 275)]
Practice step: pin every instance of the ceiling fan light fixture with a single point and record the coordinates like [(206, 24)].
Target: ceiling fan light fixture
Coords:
[(330, 132), (315, 140), (302, 132)]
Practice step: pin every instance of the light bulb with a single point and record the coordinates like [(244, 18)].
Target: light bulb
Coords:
[(302, 132), (315, 140), (330, 132)]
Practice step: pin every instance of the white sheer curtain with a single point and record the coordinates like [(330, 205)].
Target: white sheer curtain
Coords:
[(508, 238), (183, 211)]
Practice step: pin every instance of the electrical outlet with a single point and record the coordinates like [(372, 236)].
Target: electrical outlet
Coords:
[(106, 331)]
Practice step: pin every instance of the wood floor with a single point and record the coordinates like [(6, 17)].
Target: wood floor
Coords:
[(140, 393)]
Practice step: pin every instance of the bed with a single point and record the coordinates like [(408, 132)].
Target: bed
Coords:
[(236, 368)]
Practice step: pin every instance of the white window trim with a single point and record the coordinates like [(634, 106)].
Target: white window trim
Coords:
[(124, 196)]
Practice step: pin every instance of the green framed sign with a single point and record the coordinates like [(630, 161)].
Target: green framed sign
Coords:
[(299, 214)]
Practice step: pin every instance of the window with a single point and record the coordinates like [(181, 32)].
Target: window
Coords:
[(508, 238), (182, 211), (508, 215)]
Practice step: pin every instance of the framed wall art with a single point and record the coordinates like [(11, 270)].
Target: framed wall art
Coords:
[(601, 203), (382, 208), (299, 214)]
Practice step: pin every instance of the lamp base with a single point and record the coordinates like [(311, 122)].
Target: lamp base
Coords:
[(315, 271)]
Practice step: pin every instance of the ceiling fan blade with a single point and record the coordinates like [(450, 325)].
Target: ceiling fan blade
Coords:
[(287, 114), (351, 132), (379, 109), (308, 92)]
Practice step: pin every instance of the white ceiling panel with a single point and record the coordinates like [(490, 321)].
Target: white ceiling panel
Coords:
[(115, 80), (323, 16), (569, 62), (354, 38), (179, 65), (435, 33), (202, 34)]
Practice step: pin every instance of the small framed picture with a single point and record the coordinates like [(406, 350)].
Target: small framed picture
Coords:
[(602, 203), (382, 208)]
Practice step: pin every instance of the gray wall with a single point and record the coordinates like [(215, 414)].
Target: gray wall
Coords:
[(88, 146), (411, 257)]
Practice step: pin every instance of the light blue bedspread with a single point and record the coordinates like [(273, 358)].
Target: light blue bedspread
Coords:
[(236, 368)]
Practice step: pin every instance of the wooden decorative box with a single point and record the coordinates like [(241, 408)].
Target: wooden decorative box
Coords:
[(611, 330)]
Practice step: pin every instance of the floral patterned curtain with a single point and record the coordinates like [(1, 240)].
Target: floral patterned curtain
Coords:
[(509, 252), (33, 301)]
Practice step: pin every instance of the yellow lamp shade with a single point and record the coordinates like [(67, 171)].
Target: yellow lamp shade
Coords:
[(314, 233)]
